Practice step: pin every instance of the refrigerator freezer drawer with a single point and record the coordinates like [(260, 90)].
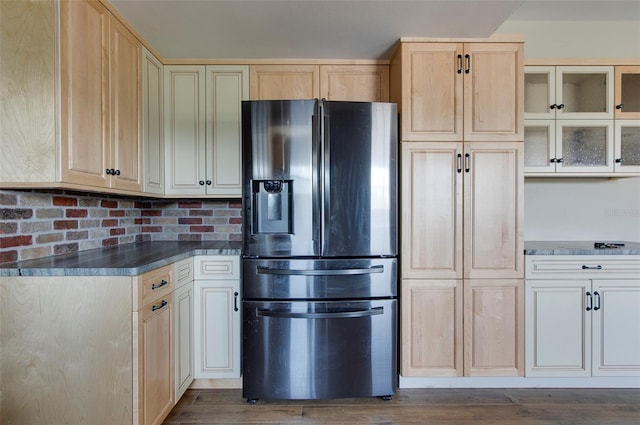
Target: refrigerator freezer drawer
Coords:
[(319, 279), (318, 350)]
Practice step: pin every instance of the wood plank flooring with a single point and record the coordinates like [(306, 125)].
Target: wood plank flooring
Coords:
[(419, 406)]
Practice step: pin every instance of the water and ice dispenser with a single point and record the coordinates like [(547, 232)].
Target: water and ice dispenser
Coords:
[(272, 206)]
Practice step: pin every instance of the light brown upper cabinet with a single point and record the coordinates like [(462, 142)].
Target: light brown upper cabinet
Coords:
[(627, 92), (98, 146), (100, 97), (358, 83), (276, 82), (459, 91)]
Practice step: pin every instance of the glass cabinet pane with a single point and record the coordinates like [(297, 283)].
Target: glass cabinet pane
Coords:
[(539, 92), (539, 146), (630, 145), (630, 92), (584, 92), (584, 146), (627, 146)]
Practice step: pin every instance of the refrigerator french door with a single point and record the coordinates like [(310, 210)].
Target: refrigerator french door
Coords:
[(319, 252)]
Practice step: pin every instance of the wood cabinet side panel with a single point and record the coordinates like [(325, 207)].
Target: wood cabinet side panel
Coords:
[(66, 350), (27, 92), (152, 123)]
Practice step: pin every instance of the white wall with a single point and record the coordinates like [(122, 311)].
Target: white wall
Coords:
[(564, 39), (580, 208)]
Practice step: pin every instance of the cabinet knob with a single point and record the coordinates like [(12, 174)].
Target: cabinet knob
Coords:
[(619, 160), (107, 171), (560, 106), (559, 160), (208, 182), (552, 160), (201, 182), (620, 106), (117, 172), (553, 106)]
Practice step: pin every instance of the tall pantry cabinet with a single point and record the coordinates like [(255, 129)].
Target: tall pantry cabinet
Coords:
[(462, 253)]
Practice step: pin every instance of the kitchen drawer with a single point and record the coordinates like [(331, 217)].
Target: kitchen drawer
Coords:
[(152, 285), (216, 267), (582, 266), (183, 272)]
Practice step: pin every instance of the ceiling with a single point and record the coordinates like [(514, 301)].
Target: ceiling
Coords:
[(336, 29)]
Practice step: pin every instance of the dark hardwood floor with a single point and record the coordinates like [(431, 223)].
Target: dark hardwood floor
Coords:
[(419, 406)]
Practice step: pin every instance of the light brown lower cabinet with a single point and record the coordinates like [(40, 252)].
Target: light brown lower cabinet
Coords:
[(455, 327), (87, 349)]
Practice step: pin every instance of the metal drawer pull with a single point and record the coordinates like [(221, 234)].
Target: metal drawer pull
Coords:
[(597, 306), (339, 272), (335, 315), (159, 306), (585, 267), (159, 285)]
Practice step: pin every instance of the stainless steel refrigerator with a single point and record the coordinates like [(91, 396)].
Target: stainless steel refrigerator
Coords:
[(319, 266)]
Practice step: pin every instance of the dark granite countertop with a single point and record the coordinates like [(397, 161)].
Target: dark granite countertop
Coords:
[(122, 260), (578, 248)]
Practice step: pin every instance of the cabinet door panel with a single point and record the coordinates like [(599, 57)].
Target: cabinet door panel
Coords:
[(616, 328), (183, 339), (493, 216), (627, 87), (494, 92), (432, 89), (276, 82), (227, 87), (153, 123), (627, 146), (355, 83), (217, 329), (126, 146), (184, 130), (558, 328), (494, 327), (156, 363), (431, 331), (84, 92), (432, 210), (584, 146)]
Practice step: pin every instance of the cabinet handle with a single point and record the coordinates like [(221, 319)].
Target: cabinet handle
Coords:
[(620, 106), (235, 301), (467, 60), (554, 106), (201, 182), (553, 160), (597, 306), (589, 301), (585, 267), (107, 171), (459, 163), (560, 106), (619, 160), (559, 160), (208, 182), (117, 172), (159, 285), (159, 306), (467, 162), (459, 64)]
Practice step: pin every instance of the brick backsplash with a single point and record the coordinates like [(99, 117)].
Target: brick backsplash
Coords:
[(37, 224)]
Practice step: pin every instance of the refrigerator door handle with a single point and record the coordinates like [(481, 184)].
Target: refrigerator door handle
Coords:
[(328, 315), (326, 179), (334, 272)]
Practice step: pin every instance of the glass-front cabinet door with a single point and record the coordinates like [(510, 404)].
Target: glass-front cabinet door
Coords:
[(539, 92), (584, 146), (627, 146), (584, 92), (627, 92), (539, 146)]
